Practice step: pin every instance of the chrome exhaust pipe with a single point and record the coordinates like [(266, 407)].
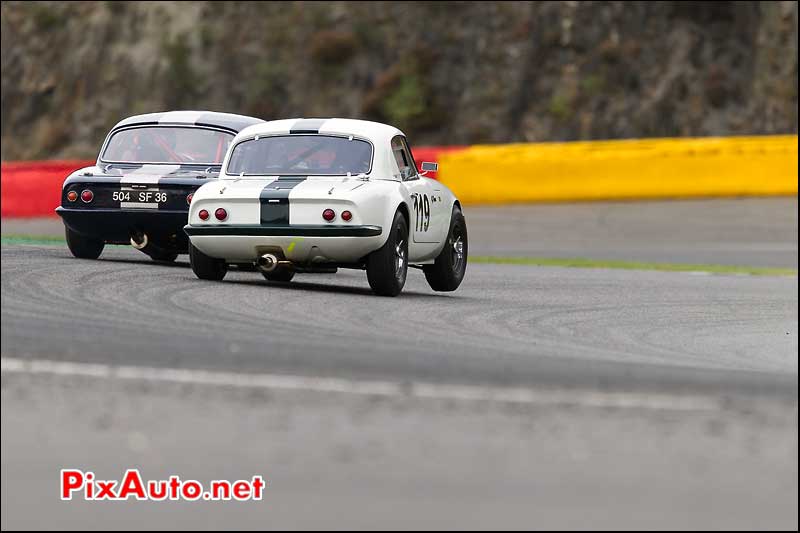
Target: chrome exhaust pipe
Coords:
[(139, 240), (267, 262)]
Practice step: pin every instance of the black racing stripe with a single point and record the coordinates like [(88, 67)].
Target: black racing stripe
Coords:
[(275, 200), (307, 125)]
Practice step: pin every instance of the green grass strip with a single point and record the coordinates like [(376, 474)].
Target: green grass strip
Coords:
[(32, 239), (633, 265), (39, 240), (577, 262)]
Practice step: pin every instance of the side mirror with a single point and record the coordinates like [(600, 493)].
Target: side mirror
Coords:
[(430, 167)]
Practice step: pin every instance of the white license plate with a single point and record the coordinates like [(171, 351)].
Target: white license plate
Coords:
[(139, 199)]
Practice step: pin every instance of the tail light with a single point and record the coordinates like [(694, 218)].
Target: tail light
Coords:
[(189, 198), (221, 214), (347, 216), (329, 214), (203, 214), (87, 195), (72, 196)]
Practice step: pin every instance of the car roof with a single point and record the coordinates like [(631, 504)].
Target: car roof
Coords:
[(196, 118), (373, 131)]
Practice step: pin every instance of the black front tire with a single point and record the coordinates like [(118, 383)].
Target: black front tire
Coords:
[(447, 272), (83, 247), (387, 267), (281, 273), (206, 267)]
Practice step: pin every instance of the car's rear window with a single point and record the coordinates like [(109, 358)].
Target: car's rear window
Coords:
[(168, 145), (301, 155)]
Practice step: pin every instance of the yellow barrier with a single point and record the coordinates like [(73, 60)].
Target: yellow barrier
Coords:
[(630, 169)]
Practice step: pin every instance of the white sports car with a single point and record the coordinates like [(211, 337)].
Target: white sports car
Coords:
[(314, 195)]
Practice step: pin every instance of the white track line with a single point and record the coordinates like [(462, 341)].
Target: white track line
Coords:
[(597, 399)]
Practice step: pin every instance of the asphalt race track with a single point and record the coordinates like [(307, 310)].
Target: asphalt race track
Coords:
[(530, 398), (705, 363), (505, 325), (741, 231)]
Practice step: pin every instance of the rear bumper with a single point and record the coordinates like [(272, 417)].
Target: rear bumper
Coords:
[(116, 225), (300, 244), (284, 231)]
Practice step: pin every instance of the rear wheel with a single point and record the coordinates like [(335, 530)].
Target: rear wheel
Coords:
[(206, 267), (387, 267), (83, 247), (281, 273), (446, 273)]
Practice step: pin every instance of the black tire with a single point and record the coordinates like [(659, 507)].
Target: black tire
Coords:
[(205, 267), (165, 256), (446, 273), (283, 274), (387, 267), (83, 247)]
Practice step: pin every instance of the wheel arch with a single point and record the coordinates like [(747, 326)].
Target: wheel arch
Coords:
[(403, 208)]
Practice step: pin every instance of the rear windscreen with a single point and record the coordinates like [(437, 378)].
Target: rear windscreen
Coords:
[(168, 145), (302, 155)]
